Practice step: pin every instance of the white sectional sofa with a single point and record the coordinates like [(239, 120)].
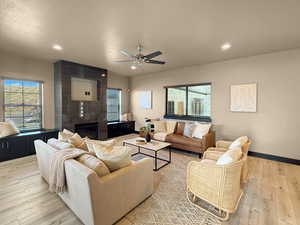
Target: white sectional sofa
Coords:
[(95, 200)]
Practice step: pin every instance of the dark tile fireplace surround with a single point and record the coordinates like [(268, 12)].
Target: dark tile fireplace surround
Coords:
[(68, 112), (87, 130)]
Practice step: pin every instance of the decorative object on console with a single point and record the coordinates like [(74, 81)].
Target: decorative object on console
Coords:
[(126, 117), (243, 98), (8, 128), (145, 99)]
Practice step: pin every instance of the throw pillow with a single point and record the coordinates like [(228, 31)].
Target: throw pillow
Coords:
[(170, 125), (59, 145), (230, 156), (201, 129), (239, 142), (66, 131), (115, 159), (188, 129), (8, 128), (64, 137), (95, 146), (94, 163), (78, 142), (159, 126)]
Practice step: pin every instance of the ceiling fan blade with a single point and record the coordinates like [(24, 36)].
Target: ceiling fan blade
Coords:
[(127, 53), (153, 54), (154, 61), (123, 60)]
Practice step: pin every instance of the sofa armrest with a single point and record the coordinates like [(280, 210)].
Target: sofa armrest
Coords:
[(212, 155), (202, 173), (223, 144), (125, 188), (208, 140)]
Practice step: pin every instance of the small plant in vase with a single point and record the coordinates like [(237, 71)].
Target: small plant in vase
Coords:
[(145, 132)]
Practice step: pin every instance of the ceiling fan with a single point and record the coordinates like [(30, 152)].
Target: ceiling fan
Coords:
[(139, 58)]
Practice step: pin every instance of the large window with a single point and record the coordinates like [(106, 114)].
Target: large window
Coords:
[(113, 105), (190, 102), (22, 103)]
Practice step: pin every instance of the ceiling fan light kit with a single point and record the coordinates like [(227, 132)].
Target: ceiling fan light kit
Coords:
[(139, 58)]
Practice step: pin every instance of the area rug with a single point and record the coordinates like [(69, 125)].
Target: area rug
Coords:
[(169, 205)]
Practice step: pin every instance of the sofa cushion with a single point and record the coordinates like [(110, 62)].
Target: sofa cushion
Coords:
[(189, 129), (160, 126), (8, 128), (180, 128), (230, 156), (160, 136), (239, 142), (94, 163), (201, 129), (115, 159), (59, 145), (179, 139)]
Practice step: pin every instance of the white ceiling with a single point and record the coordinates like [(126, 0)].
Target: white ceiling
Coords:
[(188, 32)]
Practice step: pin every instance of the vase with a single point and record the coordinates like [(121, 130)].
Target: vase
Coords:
[(147, 137)]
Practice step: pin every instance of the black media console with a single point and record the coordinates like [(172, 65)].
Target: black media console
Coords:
[(20, 145)]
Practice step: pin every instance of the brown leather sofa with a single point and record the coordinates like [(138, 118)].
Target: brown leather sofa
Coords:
[(179, 141)]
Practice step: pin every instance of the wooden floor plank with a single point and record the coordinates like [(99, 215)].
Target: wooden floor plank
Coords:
[(272, 196)]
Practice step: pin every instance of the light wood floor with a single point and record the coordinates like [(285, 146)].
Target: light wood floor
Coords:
[(272, 196)]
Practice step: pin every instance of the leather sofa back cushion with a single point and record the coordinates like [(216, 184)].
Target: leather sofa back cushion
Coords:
[(94, 164), (180, 128)]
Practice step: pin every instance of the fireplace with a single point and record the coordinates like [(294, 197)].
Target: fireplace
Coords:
[(87, 130)]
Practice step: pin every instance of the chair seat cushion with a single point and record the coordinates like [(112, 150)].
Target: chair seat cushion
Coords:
[(180, 139)]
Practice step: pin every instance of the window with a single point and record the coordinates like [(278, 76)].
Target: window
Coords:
[(189, 102), (113, 105), (23, 103)]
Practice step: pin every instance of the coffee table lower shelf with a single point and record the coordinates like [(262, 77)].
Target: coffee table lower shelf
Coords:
[(167, 161)]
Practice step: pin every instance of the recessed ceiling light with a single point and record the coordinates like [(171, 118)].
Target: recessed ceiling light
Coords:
[(57, 47), (103, 74), (133, 67), (226, 46)]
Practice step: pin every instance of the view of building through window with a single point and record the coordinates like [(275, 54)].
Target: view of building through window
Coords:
[(23, 104), (113, 105), (192, 100)]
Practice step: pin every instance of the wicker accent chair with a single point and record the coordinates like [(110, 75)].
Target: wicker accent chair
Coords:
[(222, 146), (219, 186)]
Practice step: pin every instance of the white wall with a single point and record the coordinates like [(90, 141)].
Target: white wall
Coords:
[(14, 66), (274, 128), (120, 82)]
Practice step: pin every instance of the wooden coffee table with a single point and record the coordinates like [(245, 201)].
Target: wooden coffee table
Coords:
[(154, 146)]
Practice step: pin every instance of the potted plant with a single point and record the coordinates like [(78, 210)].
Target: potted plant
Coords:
[(145, 132)]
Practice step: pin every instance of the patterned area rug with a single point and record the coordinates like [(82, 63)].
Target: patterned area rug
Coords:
[(169, 205)]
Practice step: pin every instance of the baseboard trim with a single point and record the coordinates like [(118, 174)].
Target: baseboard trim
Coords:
[(274, 158)]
